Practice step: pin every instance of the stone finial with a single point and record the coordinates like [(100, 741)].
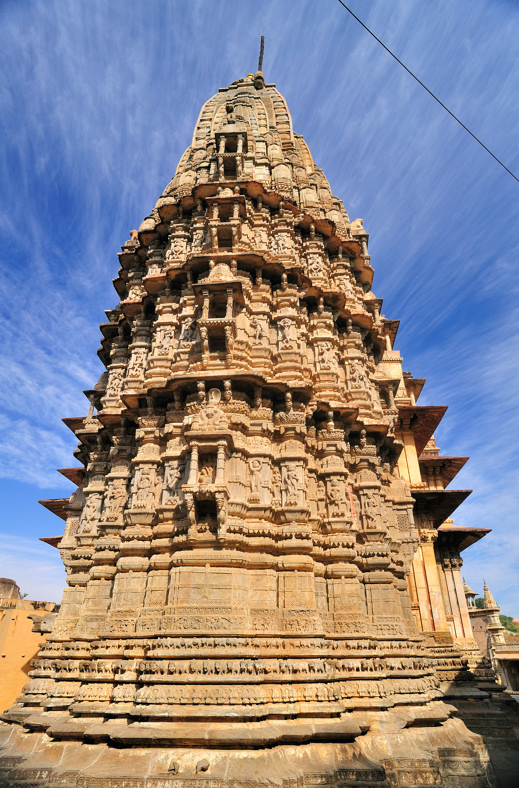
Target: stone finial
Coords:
[(259, 80), (490, 602)]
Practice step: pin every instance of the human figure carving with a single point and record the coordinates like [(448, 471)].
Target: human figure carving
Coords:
[(206, 471), (357, 380), (259, 330), (174, 473), (142, 490), (188, 333), (91, 513), (291, 484), (116, 499), (369, 508), (115, 382), (256, 482), (276, 484), (136, 365), (286, 334), (324, 359), (176, 248), (165, 342), (315, 265), (336, 497)]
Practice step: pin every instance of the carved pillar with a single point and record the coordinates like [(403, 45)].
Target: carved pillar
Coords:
[(205, 304), (408, 460), (228, 311), (453, 599), (220, 464), (428, 538), (422, 591), (193, 466), (456, 564)]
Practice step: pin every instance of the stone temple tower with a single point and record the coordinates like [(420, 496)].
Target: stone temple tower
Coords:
[(237, 551)]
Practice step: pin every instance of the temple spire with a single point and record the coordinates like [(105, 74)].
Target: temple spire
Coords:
[(490, 602)]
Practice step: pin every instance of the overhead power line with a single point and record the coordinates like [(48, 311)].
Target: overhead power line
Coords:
[(428, 91)]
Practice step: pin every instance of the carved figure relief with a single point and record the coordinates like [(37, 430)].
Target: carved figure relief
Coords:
[(221, 508), (287, 338), (176, 248), (276, 485), (143, 492), (315, 266), (115, 500), (357, 376), (198, 238), (321, 498), (259, 329), (259, 471), (211, 418), (282, 243), (91, 513), (336, 497), (325, 357), (370, 508), (291, 484), (188, 333), (137, 361), (173, 476), (115, 382), (164, 341), (207, 469)]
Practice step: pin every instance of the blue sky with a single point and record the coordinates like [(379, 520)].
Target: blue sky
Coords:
[(98, 101)]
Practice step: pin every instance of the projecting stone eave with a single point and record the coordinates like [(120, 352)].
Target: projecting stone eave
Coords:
[(74, 423), (75, 475), (53, 541), (414, 385), (423, 421), (57, 506), (438, 505), (390, 328), (460, 537), (449, 466)]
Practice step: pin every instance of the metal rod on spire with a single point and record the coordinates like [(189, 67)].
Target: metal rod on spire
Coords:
[(260, 61)]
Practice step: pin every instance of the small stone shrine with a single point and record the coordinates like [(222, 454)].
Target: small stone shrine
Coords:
[(241, 543)]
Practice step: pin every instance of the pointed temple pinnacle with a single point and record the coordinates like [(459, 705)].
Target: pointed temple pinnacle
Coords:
[(260, 60)]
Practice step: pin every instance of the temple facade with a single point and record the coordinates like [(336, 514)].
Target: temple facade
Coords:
[(262, 579)]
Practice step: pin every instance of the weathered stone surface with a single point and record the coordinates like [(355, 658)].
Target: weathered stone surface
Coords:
[(237, 610)]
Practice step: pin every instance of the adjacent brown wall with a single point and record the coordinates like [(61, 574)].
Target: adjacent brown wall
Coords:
[(18, 644)]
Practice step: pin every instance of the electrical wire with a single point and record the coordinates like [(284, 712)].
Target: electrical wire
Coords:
[(428, 91)]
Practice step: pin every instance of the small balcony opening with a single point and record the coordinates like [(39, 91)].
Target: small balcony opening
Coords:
[(224, 238), (217, 343), (218, 306), (206, 513), (231, 144), (229, 167), (224, 213)]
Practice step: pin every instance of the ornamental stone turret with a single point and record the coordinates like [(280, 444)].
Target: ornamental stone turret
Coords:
[(239, 549)]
